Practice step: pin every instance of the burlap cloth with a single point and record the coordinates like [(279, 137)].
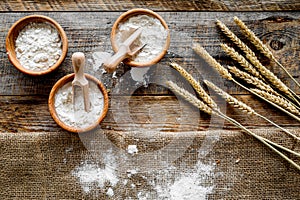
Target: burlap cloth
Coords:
[(41, 166)]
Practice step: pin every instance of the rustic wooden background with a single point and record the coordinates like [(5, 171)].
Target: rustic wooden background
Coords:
[(23, 99)]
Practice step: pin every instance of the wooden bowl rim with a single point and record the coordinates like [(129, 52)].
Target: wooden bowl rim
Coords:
[(17, 26), (139, 11), (51, 103)]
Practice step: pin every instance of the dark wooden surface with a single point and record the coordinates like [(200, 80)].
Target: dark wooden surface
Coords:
[(162, 5), (23, 98)]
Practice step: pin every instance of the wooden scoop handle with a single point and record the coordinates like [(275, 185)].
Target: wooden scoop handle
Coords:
[(78, 61), (111, 64)]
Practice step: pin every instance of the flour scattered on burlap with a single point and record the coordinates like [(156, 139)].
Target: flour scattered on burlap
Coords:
[(91, 174), (194, 184)]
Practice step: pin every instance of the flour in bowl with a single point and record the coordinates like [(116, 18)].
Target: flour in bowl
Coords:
[(75, 115), (38, 46), (154, 35)]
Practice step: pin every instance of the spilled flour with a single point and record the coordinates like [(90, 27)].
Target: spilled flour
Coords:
[(138, 74), (76, 116), (195, 184), (90, 174), (153, 34)]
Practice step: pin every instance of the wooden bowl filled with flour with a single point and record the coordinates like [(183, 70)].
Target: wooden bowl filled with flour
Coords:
[(72, 116), (155, 36), (36, 45)]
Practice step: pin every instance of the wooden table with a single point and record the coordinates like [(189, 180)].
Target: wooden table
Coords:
[(38, 158)]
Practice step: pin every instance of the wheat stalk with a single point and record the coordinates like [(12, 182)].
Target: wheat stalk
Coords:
[(260, 46), (230, 99), (234, 38), (265, 142), (252, 80), (262, 69), (278, 100), (189, 97), (211, 61), (199, 104), (195, 84), (253, 39), (260, 85), (242, 106), (241, 60)]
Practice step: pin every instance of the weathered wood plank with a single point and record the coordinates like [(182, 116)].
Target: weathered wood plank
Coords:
[(136, 113), (158, 5), (89, 33)]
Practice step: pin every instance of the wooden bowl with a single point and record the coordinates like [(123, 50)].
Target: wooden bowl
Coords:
[(134, 12), (14, 32), (51, 103)]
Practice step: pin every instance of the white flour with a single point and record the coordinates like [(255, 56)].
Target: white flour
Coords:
[(78, 117), (139, 73), (132, 149), (90, 173), (153, 34), (194, 184), (38, 46)]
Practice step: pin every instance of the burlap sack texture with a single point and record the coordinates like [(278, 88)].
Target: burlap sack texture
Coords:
[(40, 165)]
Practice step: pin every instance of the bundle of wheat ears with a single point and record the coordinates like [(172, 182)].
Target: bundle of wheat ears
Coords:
[(264, 84)]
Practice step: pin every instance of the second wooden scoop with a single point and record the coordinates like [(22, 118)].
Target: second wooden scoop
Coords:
[(78, 62), (124, 51)]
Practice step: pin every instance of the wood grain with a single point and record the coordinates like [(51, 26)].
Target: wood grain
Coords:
[(137, 113), (157, 5), (278, 30)]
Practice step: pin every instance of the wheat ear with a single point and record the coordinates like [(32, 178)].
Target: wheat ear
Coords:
[(278, 100), (241, 60), (253, 39), (252, 80), (234, 38), (244, 107), (262, 69), (225, 74), (189, 97), (211, 61), (199, 104), (195, 84), (261, 47), (230, 99)]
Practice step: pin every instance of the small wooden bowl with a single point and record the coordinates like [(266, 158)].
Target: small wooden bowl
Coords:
[(51, 103), (134, 12), (14, 32)]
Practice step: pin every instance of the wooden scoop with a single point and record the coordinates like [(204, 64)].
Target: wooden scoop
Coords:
[(124, 51), (78, 61)]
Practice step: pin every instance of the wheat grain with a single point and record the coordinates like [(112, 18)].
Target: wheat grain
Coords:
[(235, 39), (241, 60), (253, 38), (193, 100), (261, 47), (252, 80), (278, 100), (262, 69), (230, 99), (189, 97), (243, 107), (211, 61), (195, 84)]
